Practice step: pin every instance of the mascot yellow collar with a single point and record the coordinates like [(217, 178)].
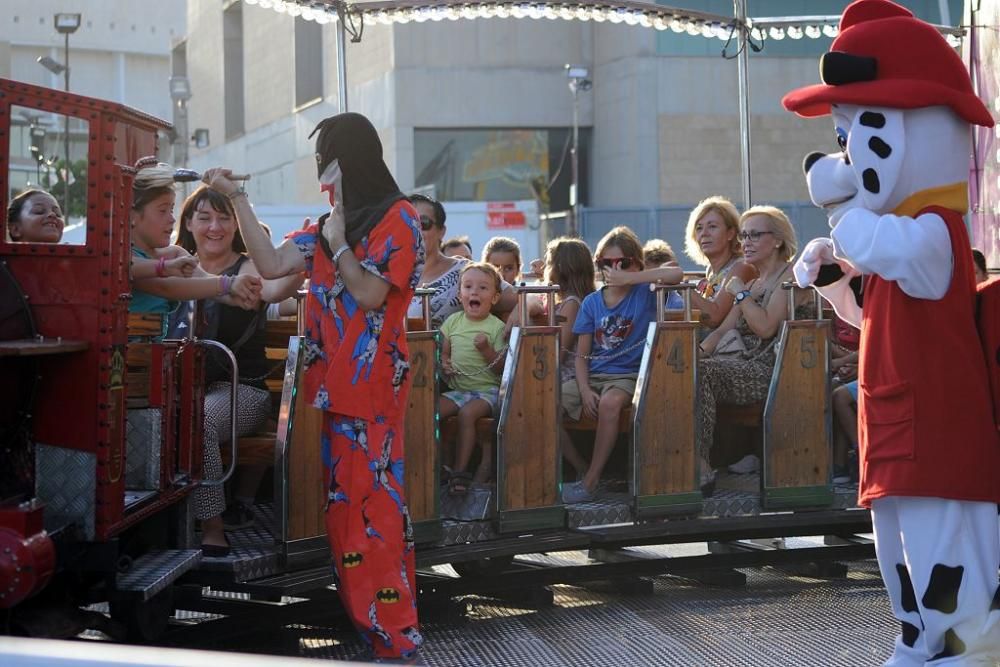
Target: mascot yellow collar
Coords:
[(954, 197)]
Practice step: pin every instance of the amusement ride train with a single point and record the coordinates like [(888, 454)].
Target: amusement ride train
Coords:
[(102, 445)]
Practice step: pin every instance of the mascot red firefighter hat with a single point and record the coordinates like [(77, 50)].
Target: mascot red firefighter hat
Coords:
[(898, 265)]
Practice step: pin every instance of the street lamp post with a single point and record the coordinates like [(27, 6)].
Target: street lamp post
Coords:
[(66, 25), (37, 150), (578, 81), (180, 93)]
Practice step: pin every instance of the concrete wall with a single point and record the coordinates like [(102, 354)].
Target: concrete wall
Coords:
[(699, 133), (665, 128)]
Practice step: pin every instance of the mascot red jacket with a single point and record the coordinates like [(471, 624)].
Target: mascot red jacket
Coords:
[(902, 106)]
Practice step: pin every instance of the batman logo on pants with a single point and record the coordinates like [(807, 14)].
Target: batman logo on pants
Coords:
[(352, 559), (387, 595)]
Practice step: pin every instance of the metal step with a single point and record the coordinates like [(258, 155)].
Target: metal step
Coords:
[(135, 498), (156, 570), (475, 505)]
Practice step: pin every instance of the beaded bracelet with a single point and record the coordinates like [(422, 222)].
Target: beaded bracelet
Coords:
[(161, 267)]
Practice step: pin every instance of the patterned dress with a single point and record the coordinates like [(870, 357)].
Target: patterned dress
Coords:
[(740, 380), (356, 370)]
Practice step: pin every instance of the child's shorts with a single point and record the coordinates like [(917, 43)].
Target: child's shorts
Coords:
[(572, 403), (853, 388), (460, 398)]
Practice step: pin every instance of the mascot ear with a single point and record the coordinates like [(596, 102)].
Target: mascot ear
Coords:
[(876, 143)]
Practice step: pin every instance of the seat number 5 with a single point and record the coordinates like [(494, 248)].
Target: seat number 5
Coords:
[(807, 349)]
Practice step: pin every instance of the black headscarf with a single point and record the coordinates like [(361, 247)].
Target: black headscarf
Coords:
[(368, 189)]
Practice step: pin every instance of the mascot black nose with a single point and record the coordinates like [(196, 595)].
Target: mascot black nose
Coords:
[(810, 160)]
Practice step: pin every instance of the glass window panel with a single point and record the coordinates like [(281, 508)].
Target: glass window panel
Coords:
[(40, 143), (500, 164)]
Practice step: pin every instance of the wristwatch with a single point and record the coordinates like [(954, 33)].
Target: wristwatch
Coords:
[(742, 295)]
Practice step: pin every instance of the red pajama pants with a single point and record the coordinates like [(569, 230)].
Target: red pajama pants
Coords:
[(370, 533)]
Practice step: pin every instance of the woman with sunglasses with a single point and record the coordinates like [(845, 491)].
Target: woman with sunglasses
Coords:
[(711, 241), (441, 273), (738, 357)]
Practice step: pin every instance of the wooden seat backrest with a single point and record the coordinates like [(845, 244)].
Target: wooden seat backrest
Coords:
[(797, 436), (143, 329), (665, 443), (421, 428), (529, 457), (276, 350)]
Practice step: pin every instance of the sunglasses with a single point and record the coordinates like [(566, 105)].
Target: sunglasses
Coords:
[(426, 222), (618, 263), (753, 235)]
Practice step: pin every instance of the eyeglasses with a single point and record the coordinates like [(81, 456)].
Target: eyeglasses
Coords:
[(752, 235), (426, 222), (617, 263)]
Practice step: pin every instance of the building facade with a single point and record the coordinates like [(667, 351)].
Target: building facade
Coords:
[(480, 109), (118, 52)]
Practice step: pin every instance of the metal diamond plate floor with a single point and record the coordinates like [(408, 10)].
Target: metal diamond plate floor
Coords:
[(778, 619)]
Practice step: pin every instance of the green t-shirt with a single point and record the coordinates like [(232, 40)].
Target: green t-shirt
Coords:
[(465, 358)]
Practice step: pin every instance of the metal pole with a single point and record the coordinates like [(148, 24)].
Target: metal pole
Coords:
[(574, 197), (342, 59), (66, 175), (740, 9)]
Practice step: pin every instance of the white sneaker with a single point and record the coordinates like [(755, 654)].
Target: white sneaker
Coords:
[(745, 465)]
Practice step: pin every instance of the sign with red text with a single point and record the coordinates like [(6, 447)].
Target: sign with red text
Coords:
[(504, 215)]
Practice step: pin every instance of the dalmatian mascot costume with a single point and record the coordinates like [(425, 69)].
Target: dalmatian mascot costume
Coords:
[(898, 265)]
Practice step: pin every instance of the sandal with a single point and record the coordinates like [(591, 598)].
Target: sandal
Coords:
[(459, 483)]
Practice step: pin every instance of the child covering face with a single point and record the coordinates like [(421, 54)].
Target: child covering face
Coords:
[(472, 365)]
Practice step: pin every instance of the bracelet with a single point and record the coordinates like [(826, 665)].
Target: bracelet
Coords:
[(239, 193), (225, 285), (340, 251), (161, 267)]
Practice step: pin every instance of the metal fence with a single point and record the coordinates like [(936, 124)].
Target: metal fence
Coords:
[(668, 223)]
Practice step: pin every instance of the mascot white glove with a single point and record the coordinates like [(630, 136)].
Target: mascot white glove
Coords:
[(816, 253)]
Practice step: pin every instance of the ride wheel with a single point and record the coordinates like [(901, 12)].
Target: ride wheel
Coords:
[(145, 621)]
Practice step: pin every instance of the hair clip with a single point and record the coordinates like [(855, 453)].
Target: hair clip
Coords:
[(146, 162)]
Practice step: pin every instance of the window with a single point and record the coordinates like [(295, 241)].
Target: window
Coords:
[(500, 164), (232, 68), (308, 61), (178, 59)]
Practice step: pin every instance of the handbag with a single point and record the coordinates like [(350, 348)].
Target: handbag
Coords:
[(730, 346)]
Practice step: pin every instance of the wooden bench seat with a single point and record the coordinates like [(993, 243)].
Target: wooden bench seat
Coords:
[(587, 424), (750, 416), (486, 428), (258, 448)]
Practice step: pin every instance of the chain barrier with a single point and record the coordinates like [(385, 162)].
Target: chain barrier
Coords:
[(610, 355), (501, 354)]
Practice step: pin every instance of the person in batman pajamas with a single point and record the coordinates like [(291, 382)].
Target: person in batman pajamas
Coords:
[(363, 261)]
